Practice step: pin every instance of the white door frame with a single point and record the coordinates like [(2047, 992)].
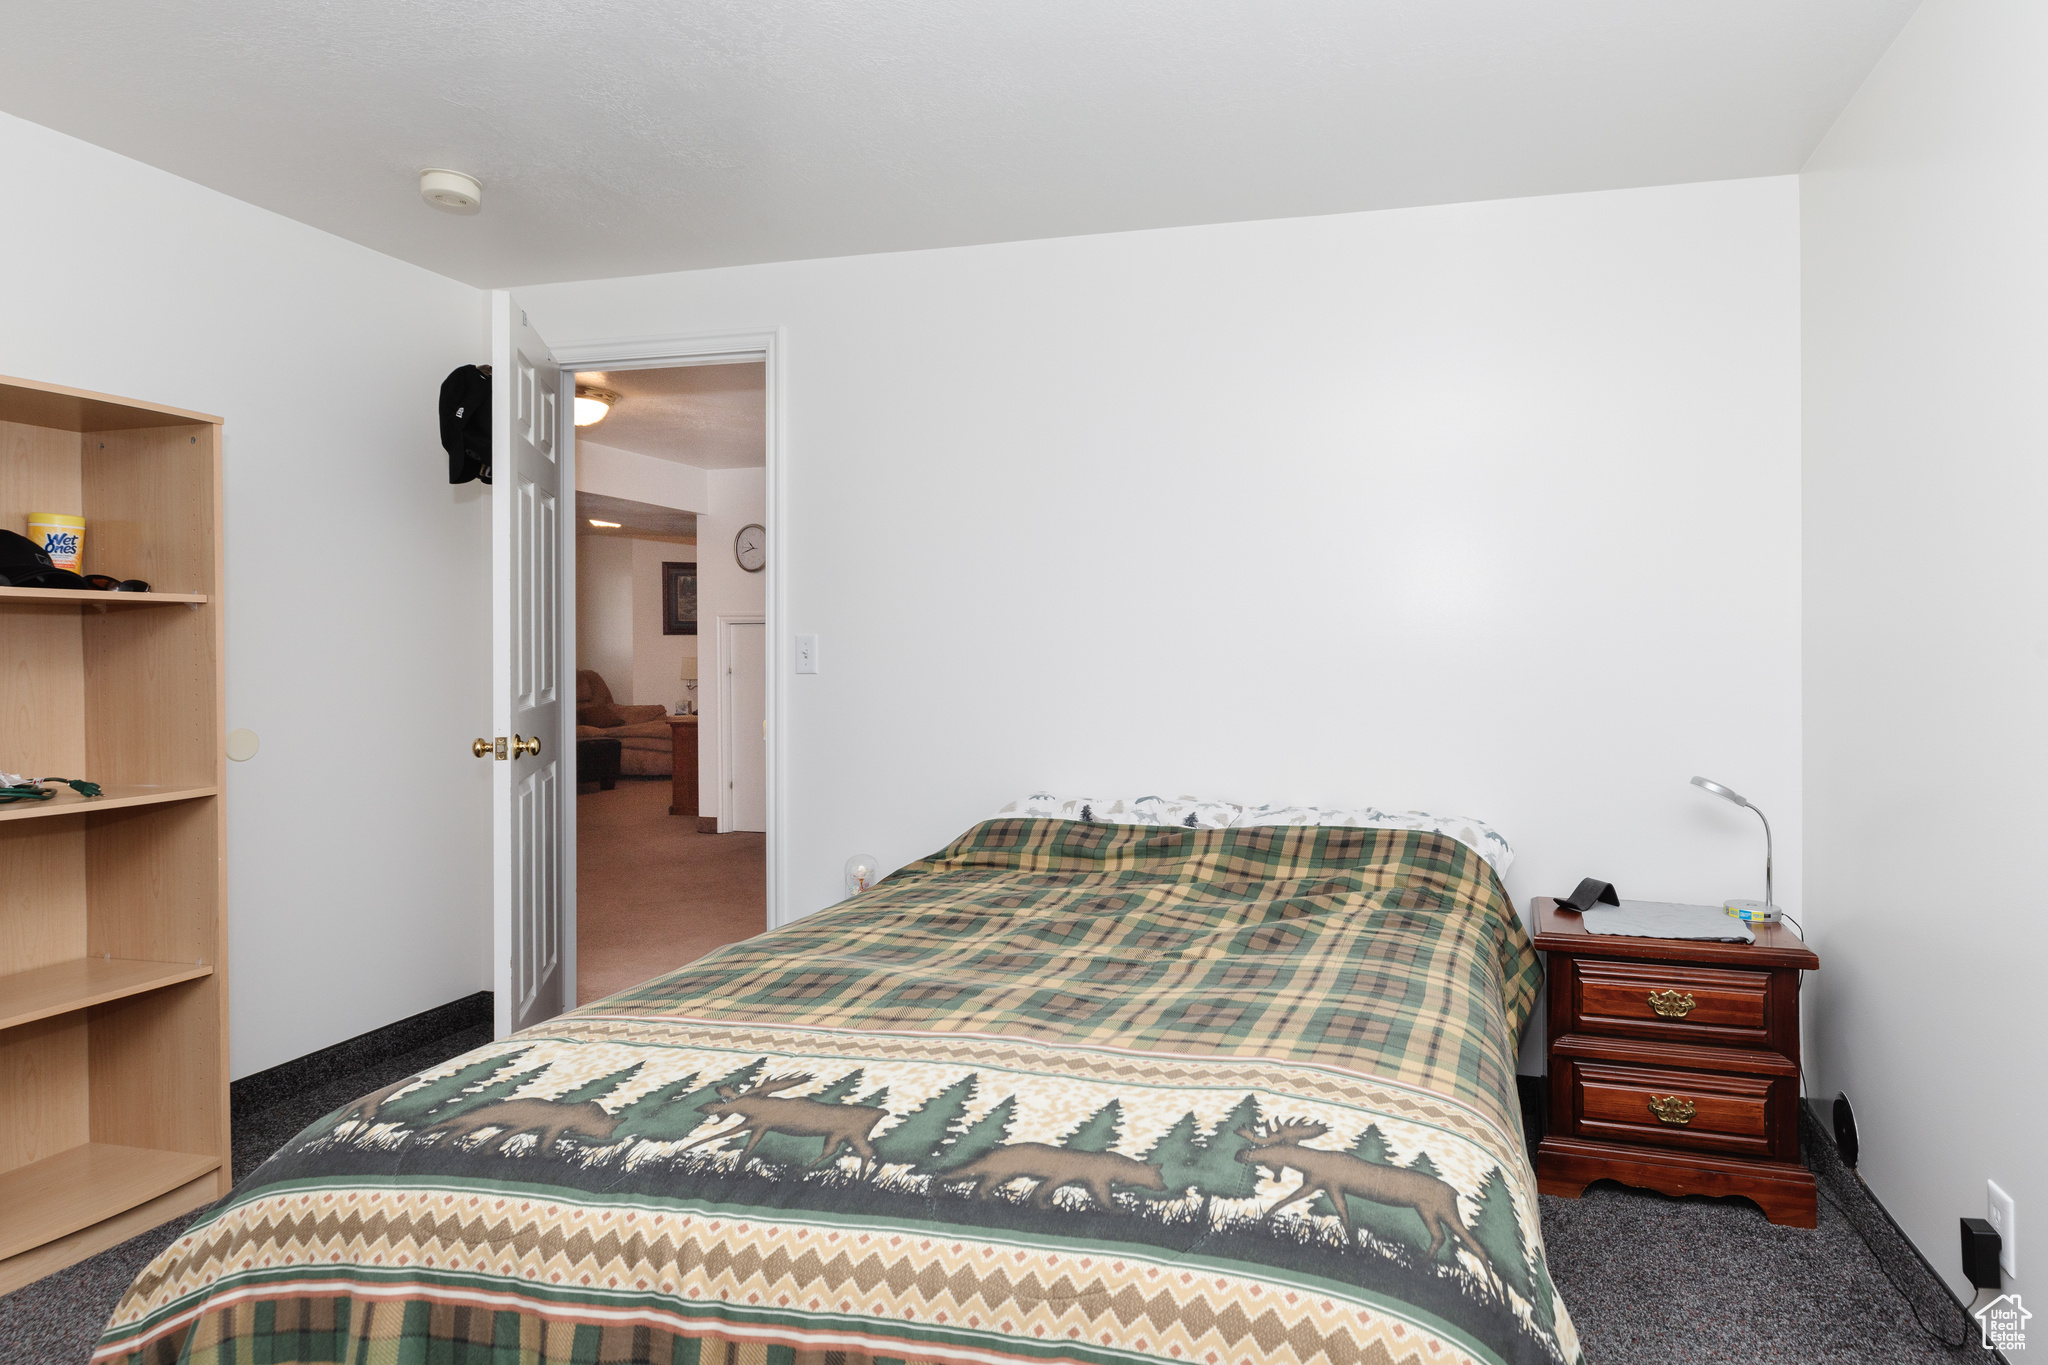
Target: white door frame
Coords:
[(728, 799), (667, 352), (565, 669)]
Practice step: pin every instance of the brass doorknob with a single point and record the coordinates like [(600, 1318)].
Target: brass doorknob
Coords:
[(482, 748), (530, 747)]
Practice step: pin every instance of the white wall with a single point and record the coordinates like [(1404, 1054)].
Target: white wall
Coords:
[(638, 478), (357, 594), (1926, 282), (737, 497), (657, 658), (1513, 491), (604, 611)]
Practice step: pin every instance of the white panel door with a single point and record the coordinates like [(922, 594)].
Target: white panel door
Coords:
[(747, 666), (526, 521)]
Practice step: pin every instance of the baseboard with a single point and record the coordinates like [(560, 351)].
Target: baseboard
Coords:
[(377, 1046)]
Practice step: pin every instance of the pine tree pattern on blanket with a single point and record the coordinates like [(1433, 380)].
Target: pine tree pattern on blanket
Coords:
[(1060, 1092)]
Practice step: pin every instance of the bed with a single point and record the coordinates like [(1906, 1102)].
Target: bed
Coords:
[(1063, 1091)]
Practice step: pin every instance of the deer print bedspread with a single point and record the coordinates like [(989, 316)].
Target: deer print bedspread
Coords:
[(1061, 1092)]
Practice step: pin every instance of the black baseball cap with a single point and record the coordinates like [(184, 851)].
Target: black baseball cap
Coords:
[(25, 564)]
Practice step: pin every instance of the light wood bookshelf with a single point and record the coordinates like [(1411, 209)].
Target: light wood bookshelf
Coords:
[(113, 929)]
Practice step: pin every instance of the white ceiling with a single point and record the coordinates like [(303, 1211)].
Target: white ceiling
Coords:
[(618, 137), (636, 520), (710, 416)]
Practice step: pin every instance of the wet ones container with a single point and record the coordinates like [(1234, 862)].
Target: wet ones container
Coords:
[(61, 537)]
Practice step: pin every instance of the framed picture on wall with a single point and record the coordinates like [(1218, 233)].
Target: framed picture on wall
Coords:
[(678, 599)]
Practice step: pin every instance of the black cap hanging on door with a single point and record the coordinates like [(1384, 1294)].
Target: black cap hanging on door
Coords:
[(466, 423)]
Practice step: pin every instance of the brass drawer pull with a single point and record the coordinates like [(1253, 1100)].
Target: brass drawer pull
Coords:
[(1670, 1004), (1671, 1109)]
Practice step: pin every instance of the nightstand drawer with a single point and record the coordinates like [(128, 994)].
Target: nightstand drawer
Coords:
[(1699, 1110), (1710, 1005)]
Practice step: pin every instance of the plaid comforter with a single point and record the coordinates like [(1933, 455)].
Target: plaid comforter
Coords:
[(1060, 1092)]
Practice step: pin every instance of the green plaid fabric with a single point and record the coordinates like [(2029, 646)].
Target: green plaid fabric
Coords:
[(1390, 952), (1377, 977)]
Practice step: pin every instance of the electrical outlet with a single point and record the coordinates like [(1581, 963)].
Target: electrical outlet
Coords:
[(1998, 1212)]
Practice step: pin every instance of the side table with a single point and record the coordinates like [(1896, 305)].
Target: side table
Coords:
[(682, 798), (1674, 1064)]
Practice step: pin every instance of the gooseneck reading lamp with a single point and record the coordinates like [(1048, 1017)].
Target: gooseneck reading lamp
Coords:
[(1765, 910)]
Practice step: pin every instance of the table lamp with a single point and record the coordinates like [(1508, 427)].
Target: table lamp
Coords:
[(1764, 911)]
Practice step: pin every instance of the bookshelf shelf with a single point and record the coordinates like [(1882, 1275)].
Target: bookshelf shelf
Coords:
[(81, 1185), (115, 797), (61, 987), (90, 597)]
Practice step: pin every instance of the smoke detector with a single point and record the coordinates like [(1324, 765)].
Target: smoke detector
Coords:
[(451, 191)]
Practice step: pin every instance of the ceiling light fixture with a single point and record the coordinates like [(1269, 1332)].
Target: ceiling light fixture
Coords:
[(608, 525), (451, 191), (592, 403)]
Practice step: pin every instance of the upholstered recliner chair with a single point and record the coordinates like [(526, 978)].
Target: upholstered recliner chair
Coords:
[(646, 747)]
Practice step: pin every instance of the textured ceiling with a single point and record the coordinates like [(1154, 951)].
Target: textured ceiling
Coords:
[(710, 416), (618, 137)]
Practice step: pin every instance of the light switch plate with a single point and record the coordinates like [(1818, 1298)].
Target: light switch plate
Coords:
[(807, 654), (1998, 1211)]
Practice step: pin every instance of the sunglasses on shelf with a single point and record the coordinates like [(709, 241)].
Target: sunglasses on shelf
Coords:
[(109, 583)]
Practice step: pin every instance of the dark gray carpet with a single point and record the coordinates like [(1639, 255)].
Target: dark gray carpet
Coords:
[(1648, 1279), (1652, 1280)]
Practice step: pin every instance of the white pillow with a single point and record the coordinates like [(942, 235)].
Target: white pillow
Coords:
[(1291, 815), (1191, 812), (1188, 812), (1476, 835)]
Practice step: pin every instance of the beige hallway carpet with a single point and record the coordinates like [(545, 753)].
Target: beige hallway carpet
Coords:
[(652, 893)]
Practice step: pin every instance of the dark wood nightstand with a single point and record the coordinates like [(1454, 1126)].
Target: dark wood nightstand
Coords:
[(1674, 1065), (682, 791)]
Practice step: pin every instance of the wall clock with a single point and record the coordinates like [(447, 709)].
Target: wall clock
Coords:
[(750, 547)]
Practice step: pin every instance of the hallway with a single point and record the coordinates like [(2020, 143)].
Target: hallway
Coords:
[(651, 893)]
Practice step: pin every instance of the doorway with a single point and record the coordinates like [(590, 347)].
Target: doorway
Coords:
[(669, 468)]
